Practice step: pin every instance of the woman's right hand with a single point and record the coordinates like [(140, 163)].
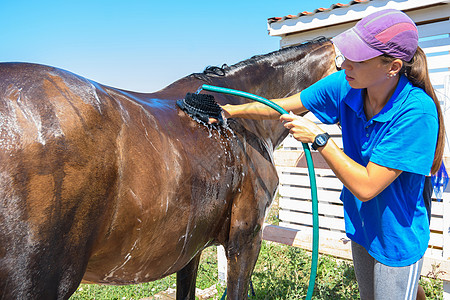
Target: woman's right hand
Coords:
[(301, 128), (225, 114)]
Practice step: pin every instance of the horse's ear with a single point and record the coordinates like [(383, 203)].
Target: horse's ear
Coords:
[(213, 70)]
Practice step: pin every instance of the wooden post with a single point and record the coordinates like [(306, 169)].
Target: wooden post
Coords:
[(222, 264), (446, 290)]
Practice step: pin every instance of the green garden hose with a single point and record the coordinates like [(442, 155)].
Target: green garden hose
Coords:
[(312, 178)]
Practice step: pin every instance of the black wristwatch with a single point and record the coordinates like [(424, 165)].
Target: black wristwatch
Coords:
[(320, 140)]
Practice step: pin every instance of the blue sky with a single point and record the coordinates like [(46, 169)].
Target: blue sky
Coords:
[(140, 45)]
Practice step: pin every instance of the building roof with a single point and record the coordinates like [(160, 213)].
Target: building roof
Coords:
[(317, 10), (340, 13)]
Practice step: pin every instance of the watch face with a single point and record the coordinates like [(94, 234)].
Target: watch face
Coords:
[(321, 140)]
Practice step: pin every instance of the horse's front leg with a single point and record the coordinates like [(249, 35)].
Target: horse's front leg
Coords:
[(247, 217), (244, 241), (241, 263)]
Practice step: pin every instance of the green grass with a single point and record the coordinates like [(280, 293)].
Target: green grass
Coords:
[(281, 272), (134, 291)]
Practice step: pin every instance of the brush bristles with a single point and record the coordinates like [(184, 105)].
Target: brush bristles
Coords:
[(201, 106), (204, 103)]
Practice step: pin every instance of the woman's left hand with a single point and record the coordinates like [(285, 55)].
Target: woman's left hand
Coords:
[(301, 128)]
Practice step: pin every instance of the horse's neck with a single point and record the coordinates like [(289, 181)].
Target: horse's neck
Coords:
[(279, 80)]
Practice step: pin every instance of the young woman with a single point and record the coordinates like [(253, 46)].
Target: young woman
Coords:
[(393, 136)]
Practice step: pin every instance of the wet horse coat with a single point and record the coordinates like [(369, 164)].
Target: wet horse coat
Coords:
[(118, 187)]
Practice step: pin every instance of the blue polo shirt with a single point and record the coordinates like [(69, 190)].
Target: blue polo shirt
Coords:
[(393, 226)]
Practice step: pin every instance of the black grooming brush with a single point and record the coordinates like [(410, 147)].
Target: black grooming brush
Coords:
[(201, 107)]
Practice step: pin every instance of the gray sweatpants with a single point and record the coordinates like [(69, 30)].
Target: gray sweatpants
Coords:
[(377, 281)]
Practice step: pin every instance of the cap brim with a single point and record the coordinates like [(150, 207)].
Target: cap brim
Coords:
[(353, 47)]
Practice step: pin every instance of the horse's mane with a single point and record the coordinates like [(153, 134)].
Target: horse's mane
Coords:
[(214, 71)]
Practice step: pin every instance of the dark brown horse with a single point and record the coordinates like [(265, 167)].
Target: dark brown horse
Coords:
[(118, 187)]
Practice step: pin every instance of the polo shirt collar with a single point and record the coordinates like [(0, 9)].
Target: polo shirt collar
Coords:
[(389, 110)]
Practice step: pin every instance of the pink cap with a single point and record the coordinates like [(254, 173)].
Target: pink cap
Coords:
[(387, 31)]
